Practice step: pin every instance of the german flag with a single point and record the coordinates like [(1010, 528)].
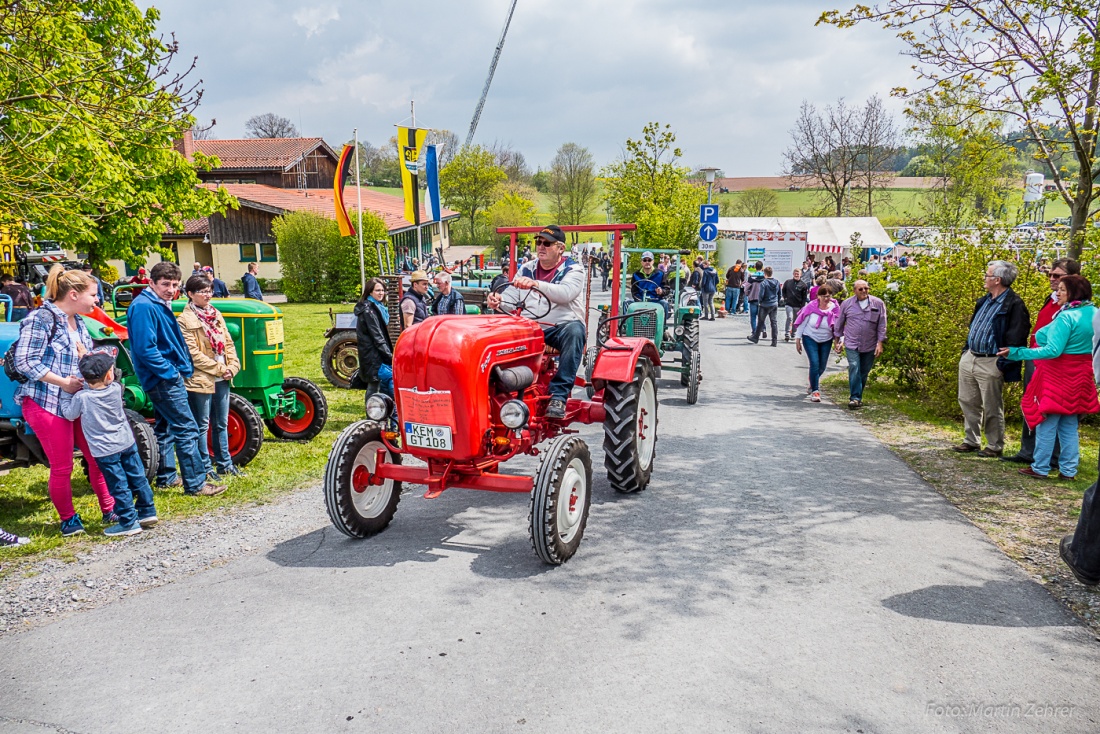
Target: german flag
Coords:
[(342, 219)]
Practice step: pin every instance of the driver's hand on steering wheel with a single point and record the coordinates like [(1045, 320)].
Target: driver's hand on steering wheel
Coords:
[(493, 300), (524, 283)]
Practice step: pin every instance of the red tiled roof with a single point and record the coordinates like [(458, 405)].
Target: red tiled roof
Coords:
[(390, 208), (194, 227), (261, 153)]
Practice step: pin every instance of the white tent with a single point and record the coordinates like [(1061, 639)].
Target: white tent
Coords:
[(824, 235)]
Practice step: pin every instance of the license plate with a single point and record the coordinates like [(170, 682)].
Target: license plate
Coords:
[(424, 436)]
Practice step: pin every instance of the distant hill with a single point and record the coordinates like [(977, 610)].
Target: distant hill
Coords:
[(781, 183)]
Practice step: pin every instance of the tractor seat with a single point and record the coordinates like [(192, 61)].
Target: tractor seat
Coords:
[(514, 379)]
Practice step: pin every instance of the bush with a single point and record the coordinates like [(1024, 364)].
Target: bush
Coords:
[(928, 308), (320, 266)]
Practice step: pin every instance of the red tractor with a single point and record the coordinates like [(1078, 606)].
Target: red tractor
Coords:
[(471, 392)]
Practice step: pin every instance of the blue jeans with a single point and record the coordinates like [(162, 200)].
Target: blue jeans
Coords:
[(176, 425), (754, 307), (125, 477), (1064, 428), (859, 367), (207, 408), (706, 300), (818, 354), (733, 297), (568, 338)]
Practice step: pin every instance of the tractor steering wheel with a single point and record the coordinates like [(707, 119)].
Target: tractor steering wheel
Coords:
[(510, 304)]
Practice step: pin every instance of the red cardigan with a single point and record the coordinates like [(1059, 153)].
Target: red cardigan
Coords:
[(1060, 386), (1046, 315)]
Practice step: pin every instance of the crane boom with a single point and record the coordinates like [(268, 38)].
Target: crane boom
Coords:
[(489, 80)]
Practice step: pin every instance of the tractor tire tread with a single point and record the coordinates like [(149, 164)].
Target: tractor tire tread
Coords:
[(337, 483), (320, 411), (621, 406), (542, 516)]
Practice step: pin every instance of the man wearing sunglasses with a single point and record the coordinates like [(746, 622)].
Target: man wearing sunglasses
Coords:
[(1060, 269), (561, 281), (648, 283)]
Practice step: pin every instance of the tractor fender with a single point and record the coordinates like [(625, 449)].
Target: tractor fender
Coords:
[(619, 356)]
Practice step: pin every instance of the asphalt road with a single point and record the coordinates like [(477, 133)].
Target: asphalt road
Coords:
[(783, 573)]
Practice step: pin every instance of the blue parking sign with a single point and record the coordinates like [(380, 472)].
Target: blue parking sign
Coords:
[(708, 214)]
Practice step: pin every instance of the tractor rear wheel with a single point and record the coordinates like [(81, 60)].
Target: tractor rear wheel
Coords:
[(691, 344), (309, 417), (692, 369), (358, 508), (340, 358), (146, 442), (560, 499), (245, 429), (630, 429)]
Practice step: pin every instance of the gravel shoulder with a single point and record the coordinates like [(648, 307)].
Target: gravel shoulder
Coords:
[(43, 591)]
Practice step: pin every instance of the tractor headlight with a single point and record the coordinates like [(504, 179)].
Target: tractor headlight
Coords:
[(379, 407), (679, 331), (514, 414)]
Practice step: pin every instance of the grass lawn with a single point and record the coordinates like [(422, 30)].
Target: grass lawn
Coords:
[(1025, 517), (281, 466)]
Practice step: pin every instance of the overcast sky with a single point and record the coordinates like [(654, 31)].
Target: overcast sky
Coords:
[(727, 75)]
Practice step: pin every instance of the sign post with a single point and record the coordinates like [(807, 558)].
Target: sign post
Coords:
[(708, 227)]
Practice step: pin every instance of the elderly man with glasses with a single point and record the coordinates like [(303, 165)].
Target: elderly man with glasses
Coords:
[(860, 328), (1060, 269), (561, 281), (1000, 320)]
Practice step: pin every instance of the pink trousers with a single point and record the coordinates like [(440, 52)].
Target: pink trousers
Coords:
[(58, 436)]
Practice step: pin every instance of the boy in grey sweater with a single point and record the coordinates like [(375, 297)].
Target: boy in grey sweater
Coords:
[(111, 442)]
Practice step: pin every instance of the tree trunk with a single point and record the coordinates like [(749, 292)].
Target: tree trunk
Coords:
[(1078, 222)]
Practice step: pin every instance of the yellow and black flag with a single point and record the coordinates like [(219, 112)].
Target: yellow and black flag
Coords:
[(342, 218), (410, 141)]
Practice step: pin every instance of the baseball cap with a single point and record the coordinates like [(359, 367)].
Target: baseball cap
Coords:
[(417, 275), (647, 254), (552, 232), (141, 271)]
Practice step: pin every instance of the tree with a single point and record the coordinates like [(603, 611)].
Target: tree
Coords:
[(842, 148), (320, 266), (511, 161), (204, 132), (468, 183), (511, 209), (572, 184), (648, 188), (269, 125), (89, 110), (1035, 61), (446, 145), (823, 152), (756, 203), (378, 166)]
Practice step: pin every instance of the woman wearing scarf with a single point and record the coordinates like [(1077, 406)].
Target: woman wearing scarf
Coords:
[(373, 336), (1062, 386), (814, 331), (216, 363)]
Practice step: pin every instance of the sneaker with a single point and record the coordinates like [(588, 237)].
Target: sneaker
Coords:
[(556, 409), (209, 490), (213, 477), (854, 404), (815, 397), (234, 471), (110, 518), (148, 522), (120, 530), (72, 526), (10, 540), (1027, 471), (177, 482), (1065, 551)]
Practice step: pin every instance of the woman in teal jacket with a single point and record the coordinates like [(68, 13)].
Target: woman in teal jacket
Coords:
[(1062, 387)]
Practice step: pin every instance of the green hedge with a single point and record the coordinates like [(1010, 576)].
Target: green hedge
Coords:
[(320, 266)]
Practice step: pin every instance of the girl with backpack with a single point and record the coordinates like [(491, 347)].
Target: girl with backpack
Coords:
[(51, 342)]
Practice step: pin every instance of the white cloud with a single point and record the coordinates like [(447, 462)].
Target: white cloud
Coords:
[(314, 19)]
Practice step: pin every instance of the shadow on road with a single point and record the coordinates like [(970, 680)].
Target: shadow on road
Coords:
[(994, 603)]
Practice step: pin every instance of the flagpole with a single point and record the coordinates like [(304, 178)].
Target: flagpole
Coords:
[(359, 198), (416, 190)]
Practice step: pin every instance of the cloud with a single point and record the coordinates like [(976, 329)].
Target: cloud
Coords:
[(314, 19)]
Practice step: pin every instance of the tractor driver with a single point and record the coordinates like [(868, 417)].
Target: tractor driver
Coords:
[(561, 280), (648, 284)]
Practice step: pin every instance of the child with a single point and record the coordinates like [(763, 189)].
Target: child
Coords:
[(111, 442)]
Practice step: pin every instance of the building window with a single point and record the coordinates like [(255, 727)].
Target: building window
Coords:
[(248, 252), (269, 253)]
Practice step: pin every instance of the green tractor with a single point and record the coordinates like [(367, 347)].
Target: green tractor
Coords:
[(292, 408), (676, 330)]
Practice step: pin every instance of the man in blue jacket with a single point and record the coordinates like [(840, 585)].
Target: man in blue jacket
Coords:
[(251, 285), (162, 361)]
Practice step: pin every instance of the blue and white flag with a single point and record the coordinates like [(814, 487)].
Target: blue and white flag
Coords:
[(431, 165)]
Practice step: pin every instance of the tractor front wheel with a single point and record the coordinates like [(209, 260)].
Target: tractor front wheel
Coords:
[(560, 499), (146, 442), (630, 429), (245, 429), (340, 358), (693, 369), (358, 505), (589, 367), (691, 344), (309, 415)]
